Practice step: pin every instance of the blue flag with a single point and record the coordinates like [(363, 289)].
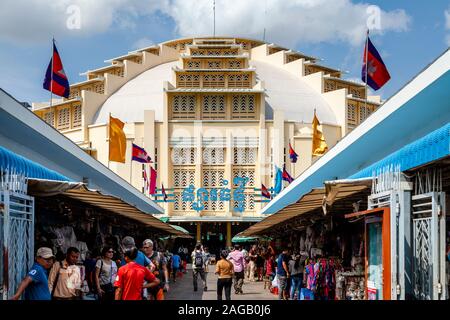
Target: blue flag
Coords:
[(278, 183)]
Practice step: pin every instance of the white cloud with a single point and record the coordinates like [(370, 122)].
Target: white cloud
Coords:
[(34, 21), (447, 25), (143, 43), (447, 18), (287, 22)]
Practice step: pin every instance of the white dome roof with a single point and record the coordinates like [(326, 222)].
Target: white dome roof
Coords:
[(284, 91)]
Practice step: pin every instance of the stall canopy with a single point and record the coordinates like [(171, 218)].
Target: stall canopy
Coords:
[(317, 198), (9, 159), (79, 191)]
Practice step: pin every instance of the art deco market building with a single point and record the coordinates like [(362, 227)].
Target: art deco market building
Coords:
[(208, 110)]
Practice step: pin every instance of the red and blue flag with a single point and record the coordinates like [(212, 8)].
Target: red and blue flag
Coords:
[(286, 176), (292, 154), (377, 73), (140, 155), (55, 78), (265, 193)]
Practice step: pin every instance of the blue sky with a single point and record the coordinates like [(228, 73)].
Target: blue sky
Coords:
[(412, 34)]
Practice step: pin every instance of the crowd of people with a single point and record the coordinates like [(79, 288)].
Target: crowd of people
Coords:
[(131, 274), (145, 273)]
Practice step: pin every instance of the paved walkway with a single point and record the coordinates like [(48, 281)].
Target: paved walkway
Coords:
[(183, 289)]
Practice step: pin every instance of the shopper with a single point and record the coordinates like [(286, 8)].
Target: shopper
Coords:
[(159, 269), (176, 264), (198, 266), (296, 272), (237, 258), (260, 264), (35, 284), (252, 254), (207, 262), (270, 271), (105, 275), (128, 243), (283, 274), (130, 278), (225, 270), (64, 281)]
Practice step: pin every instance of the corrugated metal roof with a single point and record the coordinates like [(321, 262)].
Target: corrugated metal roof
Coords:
[(433, 146), (21, 165), (315, 199), (80, 192)]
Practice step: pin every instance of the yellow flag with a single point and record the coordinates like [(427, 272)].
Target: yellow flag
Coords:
[(117, 140), (319, 146)]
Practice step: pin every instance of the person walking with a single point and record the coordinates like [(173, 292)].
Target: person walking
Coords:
[(207, 262), (296, 272), (176, 264), (225, 270), (130, 278), (283, 274), (64, 280), (198, 266), (35, 284), (160, 270), (237, 259), (253, 255), (105, 274), (128, 243)]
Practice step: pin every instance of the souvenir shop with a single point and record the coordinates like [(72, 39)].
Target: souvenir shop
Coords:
[(342, 247), (88, 220)]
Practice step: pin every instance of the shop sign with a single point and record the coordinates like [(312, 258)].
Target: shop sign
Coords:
[(199, 196)]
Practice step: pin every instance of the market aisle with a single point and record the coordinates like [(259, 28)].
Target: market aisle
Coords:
[(183, 289)]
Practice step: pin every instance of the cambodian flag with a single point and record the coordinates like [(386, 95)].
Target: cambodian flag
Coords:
[(55, 78), (163, 190), (286, 176), (292, 154), (140, 155), (376, 69), (265, 193)]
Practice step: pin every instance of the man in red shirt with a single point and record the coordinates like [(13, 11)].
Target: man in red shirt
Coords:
[(130, 278)]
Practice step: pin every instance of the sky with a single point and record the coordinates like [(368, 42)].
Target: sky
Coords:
[(409, 34)]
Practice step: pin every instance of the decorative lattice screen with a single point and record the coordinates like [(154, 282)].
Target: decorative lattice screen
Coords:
[(213, 107), (182, 156), (63, 119), (245, 156), (213, 156), (183, 107), (243, 106)]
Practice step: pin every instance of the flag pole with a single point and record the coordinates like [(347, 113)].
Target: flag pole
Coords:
[(366, 62), (51, 75), (131, 165), (109, 139), (214, 14)]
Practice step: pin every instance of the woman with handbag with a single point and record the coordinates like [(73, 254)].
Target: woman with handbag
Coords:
[(105, 275)]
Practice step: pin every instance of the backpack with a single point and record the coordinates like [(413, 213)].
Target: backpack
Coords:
[(198, 260)]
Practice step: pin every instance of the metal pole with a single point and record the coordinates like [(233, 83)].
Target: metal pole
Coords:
[(366, 62), (109, 139), (51, 78), (214, 14)]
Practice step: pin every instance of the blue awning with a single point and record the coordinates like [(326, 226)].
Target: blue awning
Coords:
[(433, 146), (15, 163)]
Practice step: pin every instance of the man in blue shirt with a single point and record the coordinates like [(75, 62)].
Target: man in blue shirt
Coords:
[(35, 284), (283, 274), (128, 242), (176, 261)]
